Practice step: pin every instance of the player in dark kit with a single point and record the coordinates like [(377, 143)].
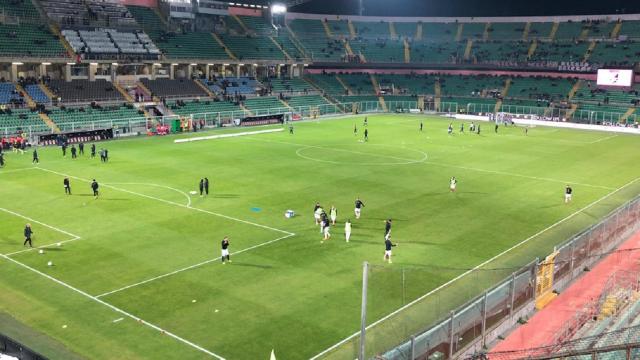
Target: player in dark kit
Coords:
[(81, 148), (291, 129), (358, 208), (206, 186), (201, 186), (462, 127), (27, 235), (355, 130), (496, 129), (365, 122), (225, 249), (387, 249), (64, 150), (67, 186), (94, 187), (1, 159), (366, 134), (106, 155), (478, 131), (568, 192), (421, 124), (93, 150), (74, 152), (35, 160), (387, 229)]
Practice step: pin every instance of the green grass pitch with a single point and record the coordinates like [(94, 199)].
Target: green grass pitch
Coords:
[(148, 249)]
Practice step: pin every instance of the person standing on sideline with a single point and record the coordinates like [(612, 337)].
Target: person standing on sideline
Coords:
[(291, 129), (421, 124), (387, 249), (206, 186), (81, 148), (67, 186), (93, 150), (365, 122), (347, 230), (35, 160), (355, 130), (1, 159), (478, 131), (94, 187), (225, 250), (358, 208), (201, 186), (496, 129), (333, 213), (106, 155), (102, 155), (462, 127), (366, 134), (27, 235), (74, 152), (64, 150)]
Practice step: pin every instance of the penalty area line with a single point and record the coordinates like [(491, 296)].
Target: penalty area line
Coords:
[(448, 283), (116, 309), (192, 267)]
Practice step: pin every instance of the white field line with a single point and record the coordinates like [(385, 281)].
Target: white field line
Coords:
[(40, 223), (118, 320), (603, 139), (172, 203), (191, 267), (16, 170), (443, 164), (377, 322), (114, 308), (222, 136), (160, 186), (54, 244)]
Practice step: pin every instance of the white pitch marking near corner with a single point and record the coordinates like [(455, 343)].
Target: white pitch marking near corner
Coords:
[(159, 186), (191, 267), (222, 136), (118, 320), (54, 244), (114, 308), (172, 203), (40, 223), (603, 139), (448, 283)]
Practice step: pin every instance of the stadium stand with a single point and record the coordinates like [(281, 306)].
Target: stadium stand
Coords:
[(89, 13), (202, 107), (29, 40), (110, 42), (22, 120), (36, 93), (79, 115), (84, 90), (287, 85), (253, 47), (267, 102), (22, 9), (9, 94), (307, 100), (173, 88)]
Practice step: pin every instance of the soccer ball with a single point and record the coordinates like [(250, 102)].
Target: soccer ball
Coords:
[(50, 263), (41, 251), (289, 214)]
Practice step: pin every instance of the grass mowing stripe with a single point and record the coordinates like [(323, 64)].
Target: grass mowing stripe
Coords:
[(116, 309), (40, 223), (171, 202), (345, 340), (192, 267)]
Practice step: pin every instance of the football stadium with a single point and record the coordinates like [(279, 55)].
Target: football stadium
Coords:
[(319, 179)]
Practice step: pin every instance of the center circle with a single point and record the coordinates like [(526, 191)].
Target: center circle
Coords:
[(356, 154)]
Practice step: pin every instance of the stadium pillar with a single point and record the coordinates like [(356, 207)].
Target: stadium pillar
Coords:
[(237, 70), (573, 249), (67, 72), (207, 70), (512, 293), (172, 71), (363, 310), (14, 72), (484, 319), (413, 347), (451, 334), (42, 70), (190, 70), (92, 71)]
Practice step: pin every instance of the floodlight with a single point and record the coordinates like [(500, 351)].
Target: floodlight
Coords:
[(278, 9)]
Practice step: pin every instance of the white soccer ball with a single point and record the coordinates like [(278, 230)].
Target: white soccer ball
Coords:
[(59, 244), (50, 263), (41, 251), (193, 192)]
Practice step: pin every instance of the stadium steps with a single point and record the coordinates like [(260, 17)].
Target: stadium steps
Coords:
[(407, 52), (205, 89), (585, 32), (589, 51), (374, 82), (467, 50), (226, 49), (26, 96), (124, 93), (574, 89), (616, 30), (296, 42), (383, 104), (246, 109), (347, 47), (327, 30), (485, 34), (392, 30), (285, 104), (419, 31), (532, 48), (146, 91), (322, 92), (525, 33), (47, 120), (281, 48), (460, 30), (554, 30), (344, 85), (241, 23), (505, 89), (437, 101), (56, 31), (47, 91), (627, 114), (571, 111), (352, 29)]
